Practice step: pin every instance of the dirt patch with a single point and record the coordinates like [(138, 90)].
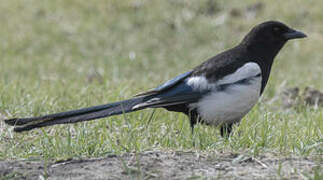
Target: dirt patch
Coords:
[(292, 97), (165, 165)]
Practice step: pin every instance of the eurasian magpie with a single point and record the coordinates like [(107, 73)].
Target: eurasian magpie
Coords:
[(219, 92)]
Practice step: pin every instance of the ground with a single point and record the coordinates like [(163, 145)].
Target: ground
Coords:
[(62, 55), (166, 165)]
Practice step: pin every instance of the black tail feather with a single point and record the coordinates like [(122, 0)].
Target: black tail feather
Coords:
[(74, 116)]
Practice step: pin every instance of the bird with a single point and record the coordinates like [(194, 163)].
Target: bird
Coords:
[(219, 92)]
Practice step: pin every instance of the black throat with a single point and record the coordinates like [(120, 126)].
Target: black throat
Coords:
[(263, 53)]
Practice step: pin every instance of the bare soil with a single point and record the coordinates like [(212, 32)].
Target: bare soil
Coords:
[(166, 165)]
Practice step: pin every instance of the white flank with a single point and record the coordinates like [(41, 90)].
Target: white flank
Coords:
[(235, 101), (246, 71)]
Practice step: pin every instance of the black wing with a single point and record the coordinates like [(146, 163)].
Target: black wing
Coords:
[(180, 93), (168, 84)]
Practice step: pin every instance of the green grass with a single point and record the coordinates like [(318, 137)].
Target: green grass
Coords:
[(62, 55)]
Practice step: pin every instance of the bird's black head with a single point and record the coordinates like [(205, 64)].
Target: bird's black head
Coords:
[(263, 43), (270, 37)]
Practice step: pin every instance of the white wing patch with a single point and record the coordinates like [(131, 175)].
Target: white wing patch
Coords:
[(199, 82)]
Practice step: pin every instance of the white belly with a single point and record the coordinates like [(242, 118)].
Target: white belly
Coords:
[(229, 105), (240, 92)]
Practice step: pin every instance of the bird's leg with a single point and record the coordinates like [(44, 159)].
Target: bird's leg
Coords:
[(192, 122), (226, 130), (193, 119), (193, 115), (192, 127)]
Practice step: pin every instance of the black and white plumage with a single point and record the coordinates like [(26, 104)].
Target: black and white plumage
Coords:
[(220, 91)]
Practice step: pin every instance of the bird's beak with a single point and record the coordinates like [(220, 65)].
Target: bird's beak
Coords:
[(293, 34)]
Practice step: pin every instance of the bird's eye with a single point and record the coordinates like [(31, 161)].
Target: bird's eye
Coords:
[(277, 30)]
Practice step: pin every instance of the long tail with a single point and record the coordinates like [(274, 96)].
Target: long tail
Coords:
[(74, 116)]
